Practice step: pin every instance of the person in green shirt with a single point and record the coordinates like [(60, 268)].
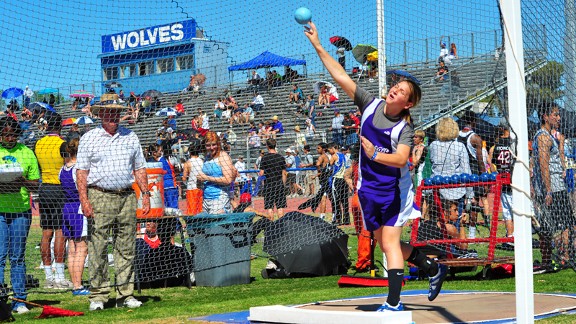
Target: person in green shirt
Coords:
[(15, 212)]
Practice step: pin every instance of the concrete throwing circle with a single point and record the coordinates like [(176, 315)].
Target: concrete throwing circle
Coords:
[(456, 307)]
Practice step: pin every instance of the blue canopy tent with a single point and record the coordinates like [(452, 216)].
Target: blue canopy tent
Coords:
[(266, 60)]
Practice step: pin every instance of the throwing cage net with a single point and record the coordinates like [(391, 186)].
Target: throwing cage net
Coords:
[(246, 147)]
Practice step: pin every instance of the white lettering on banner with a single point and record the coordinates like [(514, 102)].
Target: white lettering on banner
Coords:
[(164, 32), (133, 35), (177, 33), (119, 42), (151, 36), (143, 40)]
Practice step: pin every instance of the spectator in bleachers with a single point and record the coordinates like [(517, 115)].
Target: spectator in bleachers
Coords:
[(218, 172), (28, 94), (230, 103), (133, 99), (443, 52), (121, 96), (254, 141), (350, 127), (277, 127), (162, 133), (204, 119), (231, 136), (219, 109), (25, 124), (10, 113), (295, 95), (276, 79), (13, 106), (324, 96), (257, 102), (226, 114), (172, 122), (254, 81), (73, 133), (236, 116), (247, 114), (52, 100), (441, 73), (252, 127), (341, 53), (179, 108), (300, 139), (310, 131), (147, 106), (195, 124), (289, 74), (176, 145), (155, 104), (452, 55), (336, 127)]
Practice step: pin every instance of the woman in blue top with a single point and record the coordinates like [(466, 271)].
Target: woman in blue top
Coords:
[(384, 184), (218, 173)]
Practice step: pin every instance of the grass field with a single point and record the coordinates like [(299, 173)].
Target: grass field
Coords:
[(178, 304)]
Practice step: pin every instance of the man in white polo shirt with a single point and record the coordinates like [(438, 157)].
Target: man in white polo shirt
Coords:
[(110, 158)]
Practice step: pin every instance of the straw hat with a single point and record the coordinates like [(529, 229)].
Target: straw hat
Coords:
[(297, 128), (108, 101)]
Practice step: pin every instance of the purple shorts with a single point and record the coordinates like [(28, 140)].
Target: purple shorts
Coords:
[(379, 210), (72, 222)]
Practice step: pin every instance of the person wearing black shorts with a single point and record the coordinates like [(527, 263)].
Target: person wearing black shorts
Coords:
[(273, 167), (49, 151)]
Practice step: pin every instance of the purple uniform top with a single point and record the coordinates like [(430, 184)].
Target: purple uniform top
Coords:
[(384, 191)]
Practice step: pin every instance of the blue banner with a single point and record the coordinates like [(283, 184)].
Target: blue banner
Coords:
[(150, 36)]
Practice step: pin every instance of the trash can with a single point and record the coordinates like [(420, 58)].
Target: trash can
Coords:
[(220, 245)]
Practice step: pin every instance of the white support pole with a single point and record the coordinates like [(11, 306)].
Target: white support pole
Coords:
[(514, 52), (381, 47), (381, 78)]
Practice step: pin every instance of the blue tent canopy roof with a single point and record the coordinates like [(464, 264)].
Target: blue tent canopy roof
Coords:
[(265, 60)]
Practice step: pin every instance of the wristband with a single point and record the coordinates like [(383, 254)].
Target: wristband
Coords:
[(374, 156)]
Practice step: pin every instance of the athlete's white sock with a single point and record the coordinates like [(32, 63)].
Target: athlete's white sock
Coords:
[(48, 272), (59, 271)]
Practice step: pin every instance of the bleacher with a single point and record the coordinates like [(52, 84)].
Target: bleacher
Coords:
[(476, 75)]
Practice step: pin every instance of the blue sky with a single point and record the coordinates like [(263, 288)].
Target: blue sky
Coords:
[(55, 43)]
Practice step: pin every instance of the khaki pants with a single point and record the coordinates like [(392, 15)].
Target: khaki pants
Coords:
[(114, 215)]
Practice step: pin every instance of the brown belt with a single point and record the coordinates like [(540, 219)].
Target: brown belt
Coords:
[(119, 192)]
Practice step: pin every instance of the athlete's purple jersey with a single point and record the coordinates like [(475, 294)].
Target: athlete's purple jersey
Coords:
[(390, 185)]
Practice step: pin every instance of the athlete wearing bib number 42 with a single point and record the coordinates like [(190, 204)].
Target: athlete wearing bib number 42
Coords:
[(384, 184), (502, 160)]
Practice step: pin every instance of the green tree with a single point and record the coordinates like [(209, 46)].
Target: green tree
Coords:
[(545, 84)]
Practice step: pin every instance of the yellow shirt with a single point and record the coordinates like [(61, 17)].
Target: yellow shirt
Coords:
[(48, 153)]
